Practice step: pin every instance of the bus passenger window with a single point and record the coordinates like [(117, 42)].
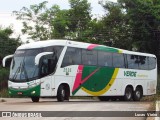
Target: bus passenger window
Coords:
[(133, 61), (72, 57), (89, 57), (152, 63), (143, 62), (104, 58), (118, 60)]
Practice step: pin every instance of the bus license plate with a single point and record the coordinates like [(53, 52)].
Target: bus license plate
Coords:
[(19, 93)]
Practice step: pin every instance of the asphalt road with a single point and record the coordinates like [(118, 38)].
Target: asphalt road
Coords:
[(25, 104)]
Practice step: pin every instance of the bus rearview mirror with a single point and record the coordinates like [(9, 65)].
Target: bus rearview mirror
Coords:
[(38, 57), (5, 59)]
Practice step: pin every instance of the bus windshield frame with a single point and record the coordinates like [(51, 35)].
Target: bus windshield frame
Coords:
[(23, 66)]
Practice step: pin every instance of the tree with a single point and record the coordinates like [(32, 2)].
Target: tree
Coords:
[(7, 45), (42, 23), (35, 22), (116, 31), (60, 23), (79, 17)]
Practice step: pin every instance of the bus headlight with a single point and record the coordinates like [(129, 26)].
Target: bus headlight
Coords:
[(33, 92)]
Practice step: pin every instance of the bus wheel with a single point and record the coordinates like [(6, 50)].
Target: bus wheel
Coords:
[(35, 99), (104, 98), (61, 94), (137, 94), (128, 94)]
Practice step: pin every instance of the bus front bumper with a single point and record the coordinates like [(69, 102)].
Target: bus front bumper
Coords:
[(34, 91)]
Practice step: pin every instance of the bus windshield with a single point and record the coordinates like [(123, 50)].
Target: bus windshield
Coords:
[(23, 66)]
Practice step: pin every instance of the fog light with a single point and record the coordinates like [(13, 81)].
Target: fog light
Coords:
[(33, 92)]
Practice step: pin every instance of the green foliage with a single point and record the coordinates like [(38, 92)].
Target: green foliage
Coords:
[(79, 15), (7, 45), (35, 21), (4, 72), (42, 23), (117, 32)]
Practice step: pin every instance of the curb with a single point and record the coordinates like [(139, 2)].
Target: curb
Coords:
[(157, 109)]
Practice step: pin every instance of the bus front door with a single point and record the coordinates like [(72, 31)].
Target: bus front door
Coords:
[(47, 69), (46, 86)]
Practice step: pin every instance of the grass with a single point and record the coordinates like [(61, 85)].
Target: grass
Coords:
[(4, 93)]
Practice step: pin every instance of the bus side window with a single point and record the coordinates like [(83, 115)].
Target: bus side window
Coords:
[(89, 57), (53, 59), (133, 61), (152, 63), (104, 58), (72, 57), (118, 60), (143, 62)]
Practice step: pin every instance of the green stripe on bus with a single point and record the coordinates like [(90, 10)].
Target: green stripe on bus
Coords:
[(106, 49)]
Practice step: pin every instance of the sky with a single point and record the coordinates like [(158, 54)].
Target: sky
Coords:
[(7, 6)]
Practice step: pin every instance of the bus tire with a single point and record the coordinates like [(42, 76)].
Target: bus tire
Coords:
[(104, 98), (35, 99), (128, 94), (137, 94), (61, 94)]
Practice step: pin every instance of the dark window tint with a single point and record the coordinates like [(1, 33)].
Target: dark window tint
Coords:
[(49, 62), (55, 49), (104, 59), (152, 63), (27, 52), (72, 57), (89, 57), (143, 62), (118, 60), (133, 61)]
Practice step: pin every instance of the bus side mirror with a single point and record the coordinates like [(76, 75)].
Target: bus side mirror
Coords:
[(38, 57), (5, 59)]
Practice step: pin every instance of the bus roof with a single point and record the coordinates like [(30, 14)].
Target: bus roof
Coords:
[(41, 44), (46, 43)]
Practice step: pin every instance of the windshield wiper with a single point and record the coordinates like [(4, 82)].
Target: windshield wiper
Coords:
[(25, 72), (15, 74)]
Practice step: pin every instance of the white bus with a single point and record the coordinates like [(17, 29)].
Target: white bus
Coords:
[(62, 68)]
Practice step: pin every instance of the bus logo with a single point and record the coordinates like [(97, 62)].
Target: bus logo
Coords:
[(130, 73)]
